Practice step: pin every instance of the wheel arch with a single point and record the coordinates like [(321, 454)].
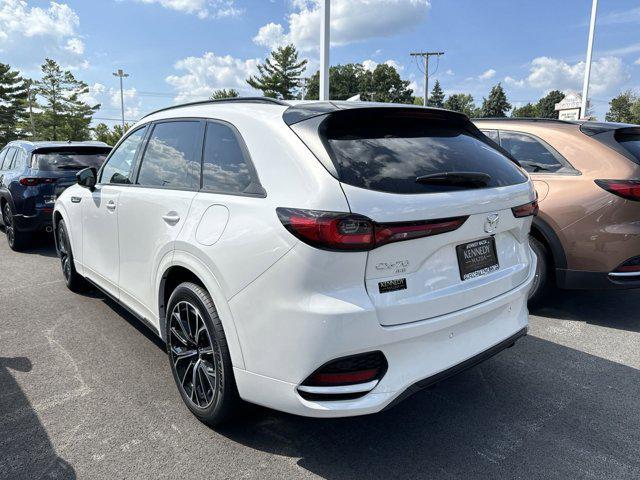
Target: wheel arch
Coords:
[(543, 232), (182, 266)]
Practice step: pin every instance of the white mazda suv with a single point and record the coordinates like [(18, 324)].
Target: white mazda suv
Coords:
[(324, 259)]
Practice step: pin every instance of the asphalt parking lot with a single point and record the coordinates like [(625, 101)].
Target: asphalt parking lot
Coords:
[(86, 392)]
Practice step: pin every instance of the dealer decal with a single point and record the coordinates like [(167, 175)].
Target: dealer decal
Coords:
[(392, 285)]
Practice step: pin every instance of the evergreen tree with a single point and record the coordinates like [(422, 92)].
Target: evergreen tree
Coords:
[(224, 93), (280, 74), (526, 111), (436, 97), (64, 115), (547, 104), (496, 105), (461, 102), (13, 100), (624, 108)]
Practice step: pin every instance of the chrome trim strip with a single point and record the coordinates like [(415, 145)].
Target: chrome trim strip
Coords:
[(358, 388), (624, 274)]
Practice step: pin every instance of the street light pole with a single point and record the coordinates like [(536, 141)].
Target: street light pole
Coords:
[(325, 33), (120, 73), (587, 67)]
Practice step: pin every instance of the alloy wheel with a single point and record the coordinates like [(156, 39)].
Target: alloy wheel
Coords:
[(63, 248), (8, 225), (196, 361)]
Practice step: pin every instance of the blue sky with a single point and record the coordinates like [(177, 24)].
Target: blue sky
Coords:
[(180, 50)]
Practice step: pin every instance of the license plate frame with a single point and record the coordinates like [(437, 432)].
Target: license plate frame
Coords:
[(477, 258)]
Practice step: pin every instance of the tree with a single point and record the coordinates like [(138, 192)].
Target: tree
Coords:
[(64, 115), (496, 105), (526, 111), (13, 100), (624, 108), (102, 133), (280, 75), (436, 97), (461, 102), (345, 81), (385, 85), (547, 104), (224, 93)]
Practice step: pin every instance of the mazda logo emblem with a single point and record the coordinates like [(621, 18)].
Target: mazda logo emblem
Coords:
[(491, 223)]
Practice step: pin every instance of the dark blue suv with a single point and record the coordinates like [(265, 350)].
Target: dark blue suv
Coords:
[(32, 175)]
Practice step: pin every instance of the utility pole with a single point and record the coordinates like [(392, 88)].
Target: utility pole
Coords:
[(426, 56), (587, 67), (28, 84), (120, 73), (325, 35)]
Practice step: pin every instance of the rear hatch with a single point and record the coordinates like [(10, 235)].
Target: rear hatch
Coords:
[(405, 168)]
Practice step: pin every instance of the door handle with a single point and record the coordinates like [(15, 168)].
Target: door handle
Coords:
[(171, 218), (111, 205)]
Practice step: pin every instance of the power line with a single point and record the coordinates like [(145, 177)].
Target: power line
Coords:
[(426, 56)]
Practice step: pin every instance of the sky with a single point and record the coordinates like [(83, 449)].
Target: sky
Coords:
[(181, 50)]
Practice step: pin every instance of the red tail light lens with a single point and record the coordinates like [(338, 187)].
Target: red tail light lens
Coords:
[(351, 232), (629, 189), (33, 181), (631, 265), (350, 370), (525, 210)]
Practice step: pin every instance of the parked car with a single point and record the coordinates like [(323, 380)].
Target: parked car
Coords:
[(587, 175), (32, 175), (323, 259)]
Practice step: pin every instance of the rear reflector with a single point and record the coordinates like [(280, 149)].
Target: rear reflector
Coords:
[(351, 370), (525, 210), (629, 189), (352, 232), (630, 266), (33, 181)]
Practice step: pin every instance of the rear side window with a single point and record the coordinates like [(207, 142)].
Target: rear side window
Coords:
[(3, 154), (493, 135), (119, 167), (226, 167), (70, 159), (631, 142), (8, 159), (532, 154), (172, 156), (388, 152)]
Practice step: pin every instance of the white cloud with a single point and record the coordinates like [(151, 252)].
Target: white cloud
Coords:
[(607, 73), (372, 64), (627, 16), (487, 75), (75, 45), (109, 100), (512, 82), (450, 72), (201, 8), (637, 62), (209, 72), (351, 21)]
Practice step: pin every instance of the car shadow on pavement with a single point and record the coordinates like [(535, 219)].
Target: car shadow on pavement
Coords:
[(41, 244), (608, 308), (538, 410), (25, 448)]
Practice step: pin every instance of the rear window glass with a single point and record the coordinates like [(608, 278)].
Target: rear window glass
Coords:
[(388, 153), (631, 142), (70, 160)]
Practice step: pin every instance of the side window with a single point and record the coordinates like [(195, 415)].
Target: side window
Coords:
[(225, 165), (118, 168), (532, 154), (172, 156), (8, 159), (3, 154), (492, 134), (18, 160)]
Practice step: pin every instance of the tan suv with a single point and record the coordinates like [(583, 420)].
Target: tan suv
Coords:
[(587, 176)]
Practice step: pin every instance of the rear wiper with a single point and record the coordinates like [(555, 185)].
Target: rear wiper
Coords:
[(72, 167), (536, 166), (463, 179)]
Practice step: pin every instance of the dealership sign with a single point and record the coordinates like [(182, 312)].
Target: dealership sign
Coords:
[(570, 108)]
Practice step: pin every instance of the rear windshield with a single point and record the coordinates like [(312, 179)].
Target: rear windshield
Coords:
[(389, 152), (631, 142), (70, 160)]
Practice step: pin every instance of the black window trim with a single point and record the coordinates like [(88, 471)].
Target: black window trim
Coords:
[(135, 158), (566, 169)]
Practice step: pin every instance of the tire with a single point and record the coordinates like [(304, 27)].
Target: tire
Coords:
[(542, 281), (200, 359), (75, 282), (17, 240)]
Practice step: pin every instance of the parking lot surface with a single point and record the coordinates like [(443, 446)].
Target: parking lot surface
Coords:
[(86, 392)]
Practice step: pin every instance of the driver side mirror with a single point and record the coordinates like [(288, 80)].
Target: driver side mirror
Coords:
[(87, 178)]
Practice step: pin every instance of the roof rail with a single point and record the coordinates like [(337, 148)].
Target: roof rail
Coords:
[(268, 100), (525, 119)]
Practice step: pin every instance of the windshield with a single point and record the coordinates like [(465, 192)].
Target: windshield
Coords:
[(70, 160)]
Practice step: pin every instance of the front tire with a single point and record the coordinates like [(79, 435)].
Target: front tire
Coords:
[(17, 240), (541, 282), (75, 282), (199, 356)]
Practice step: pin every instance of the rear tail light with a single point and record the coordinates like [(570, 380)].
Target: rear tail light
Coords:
[(33, 181), (526, 210), (630, 266), (351, 232), (629, 189)]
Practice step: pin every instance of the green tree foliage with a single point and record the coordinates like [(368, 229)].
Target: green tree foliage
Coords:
[(624, 108), (102, 133), (64, 115), (526, 111), (13, 100), (436, 97), (280, 74), (461, 102), (345, 81), (224, 93), (496, 105), (385, 85), (546, 105)]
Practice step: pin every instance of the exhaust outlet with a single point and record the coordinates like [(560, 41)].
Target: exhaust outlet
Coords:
[(49, 229)]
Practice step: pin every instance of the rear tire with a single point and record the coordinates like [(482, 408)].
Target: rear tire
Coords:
[(75, 282), (17, 240), (199, 356), (541, 282)]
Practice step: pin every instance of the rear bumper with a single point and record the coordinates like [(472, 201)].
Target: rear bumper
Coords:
[(581, 280), (41, 221)]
